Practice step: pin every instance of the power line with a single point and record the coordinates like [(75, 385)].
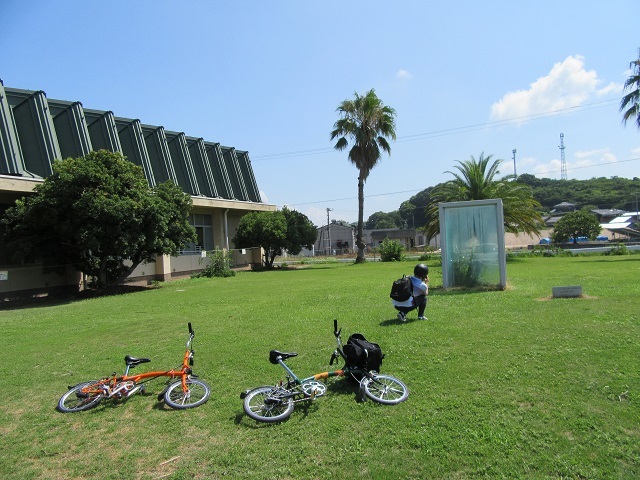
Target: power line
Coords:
[(352, 198), (589, 166), (450, 131), (419, 190)]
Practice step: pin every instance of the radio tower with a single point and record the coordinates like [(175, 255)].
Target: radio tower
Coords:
[(563, 162)]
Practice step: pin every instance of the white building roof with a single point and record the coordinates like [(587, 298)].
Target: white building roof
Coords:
[(615, 225)]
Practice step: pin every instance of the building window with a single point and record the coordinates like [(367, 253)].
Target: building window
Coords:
[(204, 233)]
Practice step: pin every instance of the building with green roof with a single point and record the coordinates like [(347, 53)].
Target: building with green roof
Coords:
[(36, 130)]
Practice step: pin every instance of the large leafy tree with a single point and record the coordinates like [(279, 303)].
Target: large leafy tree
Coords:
[(631, 101), (379, 220), (413, 211), (477, 180), (98, 214), (301, 232), (367, 123), (576, 224), (274, 232)]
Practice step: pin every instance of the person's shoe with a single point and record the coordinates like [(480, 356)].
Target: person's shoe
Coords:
[(422, 318), (402, 317)]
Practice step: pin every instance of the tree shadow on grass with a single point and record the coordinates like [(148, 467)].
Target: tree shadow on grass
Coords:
[(619, 258), (44, 300)]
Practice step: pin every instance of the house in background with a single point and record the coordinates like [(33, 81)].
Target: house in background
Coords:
[(558, 211), (408, 237), (335, 238), (605, 215), (624, 226)]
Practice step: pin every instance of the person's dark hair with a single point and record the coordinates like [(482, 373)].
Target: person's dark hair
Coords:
[(421, 270)]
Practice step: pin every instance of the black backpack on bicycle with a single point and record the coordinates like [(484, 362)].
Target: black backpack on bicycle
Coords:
[(363, 354)]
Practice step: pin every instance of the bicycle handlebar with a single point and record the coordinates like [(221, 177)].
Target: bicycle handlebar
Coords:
[(191, 330), (336, 332)]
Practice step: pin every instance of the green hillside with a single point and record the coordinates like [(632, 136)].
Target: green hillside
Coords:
[(595, 193)]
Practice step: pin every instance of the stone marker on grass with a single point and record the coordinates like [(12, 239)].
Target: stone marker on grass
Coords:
[(567, 292)]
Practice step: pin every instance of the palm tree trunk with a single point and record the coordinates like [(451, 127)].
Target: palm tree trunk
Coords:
[(359, 242)]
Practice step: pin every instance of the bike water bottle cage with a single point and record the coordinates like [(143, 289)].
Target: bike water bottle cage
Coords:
[(274, 354), (133, 361)]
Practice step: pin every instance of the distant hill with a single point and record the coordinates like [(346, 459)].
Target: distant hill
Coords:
[(595, 193), (615, 192)]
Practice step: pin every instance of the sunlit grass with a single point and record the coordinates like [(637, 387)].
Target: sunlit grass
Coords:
[(503, 384)]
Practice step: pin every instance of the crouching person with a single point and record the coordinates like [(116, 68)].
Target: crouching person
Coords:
[(420, 281)]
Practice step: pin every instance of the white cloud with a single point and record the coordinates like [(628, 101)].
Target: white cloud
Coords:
[(577, 167), (568, 84), (548, 170), (318, 216), (590, 158), (525, 161), (404, 75), (611, 88), (523, 165)]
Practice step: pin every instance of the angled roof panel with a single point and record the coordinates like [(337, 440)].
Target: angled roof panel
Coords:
[(102, 130), (247, 173), (235, 175), (159, 155), (71, 128), (219, 170), (35, 128), (182, 162), (133, 146), (11, 161), (201, 166)]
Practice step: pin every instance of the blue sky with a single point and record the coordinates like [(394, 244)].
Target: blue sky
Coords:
[(464, 77)]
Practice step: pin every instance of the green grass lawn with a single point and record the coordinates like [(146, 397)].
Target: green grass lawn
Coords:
[(504, 384)]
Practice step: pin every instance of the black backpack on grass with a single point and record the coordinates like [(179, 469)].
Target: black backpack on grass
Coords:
[(401, 289), (362, 353)]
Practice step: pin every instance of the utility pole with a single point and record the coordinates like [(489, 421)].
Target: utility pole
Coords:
[(563, 162), (329, 230), (515, 174)]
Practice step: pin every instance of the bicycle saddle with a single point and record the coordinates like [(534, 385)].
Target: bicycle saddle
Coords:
[(274, 354), (133, 361)]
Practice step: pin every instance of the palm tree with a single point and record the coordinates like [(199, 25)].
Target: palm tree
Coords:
[(631, 101), (367, 122), (477, 181)]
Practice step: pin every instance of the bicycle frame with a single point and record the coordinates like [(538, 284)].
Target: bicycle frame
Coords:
[(178, 394), (276, 403), (297, 384), (127, 385)]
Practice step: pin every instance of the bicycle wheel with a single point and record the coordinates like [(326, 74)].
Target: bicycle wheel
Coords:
[(265, 404), (80, 397), (385, 389), (197, 394)]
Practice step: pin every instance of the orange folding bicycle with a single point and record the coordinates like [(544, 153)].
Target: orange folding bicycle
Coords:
[(185, 392)]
